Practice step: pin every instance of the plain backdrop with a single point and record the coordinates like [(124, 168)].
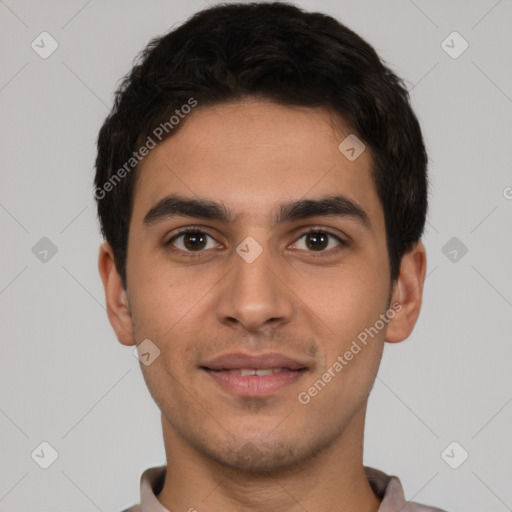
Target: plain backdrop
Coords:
[(66, 381)]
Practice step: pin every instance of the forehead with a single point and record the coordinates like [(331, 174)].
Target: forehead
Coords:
[(253, 155)]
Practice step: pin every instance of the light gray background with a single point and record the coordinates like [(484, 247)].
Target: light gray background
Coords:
[(65, 379)]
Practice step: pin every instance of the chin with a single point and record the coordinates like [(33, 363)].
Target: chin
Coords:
[(251, 458), (258, 456)]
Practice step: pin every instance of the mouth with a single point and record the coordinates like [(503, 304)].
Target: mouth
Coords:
[(253, 376)]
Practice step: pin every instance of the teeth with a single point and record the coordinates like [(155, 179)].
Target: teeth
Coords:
[(264, 372), (251, 371)]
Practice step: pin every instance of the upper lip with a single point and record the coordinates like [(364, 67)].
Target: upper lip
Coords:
[(239, 360)]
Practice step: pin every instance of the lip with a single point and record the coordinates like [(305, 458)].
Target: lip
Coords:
[(233, 361), (220, 369)]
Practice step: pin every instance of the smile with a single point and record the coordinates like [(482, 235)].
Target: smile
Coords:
[(253, 371), (252, 382)]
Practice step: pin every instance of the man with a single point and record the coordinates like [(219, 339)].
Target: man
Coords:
[(261, 187)]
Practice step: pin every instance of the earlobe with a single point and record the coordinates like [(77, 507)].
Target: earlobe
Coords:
[(408, 292), (116, 298)]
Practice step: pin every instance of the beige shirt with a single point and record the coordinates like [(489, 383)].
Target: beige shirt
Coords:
[(387, 488)]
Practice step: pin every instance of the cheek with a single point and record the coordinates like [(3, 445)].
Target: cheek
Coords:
[(347, 299), (350, 306), (161, 295)]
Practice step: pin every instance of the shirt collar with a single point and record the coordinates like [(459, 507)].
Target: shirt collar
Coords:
[(388, 488)]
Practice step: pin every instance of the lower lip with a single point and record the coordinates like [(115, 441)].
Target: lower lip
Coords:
[(255, 385)]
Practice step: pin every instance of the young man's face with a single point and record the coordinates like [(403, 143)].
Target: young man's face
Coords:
[(305, 297)]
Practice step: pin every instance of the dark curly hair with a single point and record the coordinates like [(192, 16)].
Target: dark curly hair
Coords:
[(278, 52)]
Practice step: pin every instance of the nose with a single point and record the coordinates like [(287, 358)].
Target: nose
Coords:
[(254, 296)]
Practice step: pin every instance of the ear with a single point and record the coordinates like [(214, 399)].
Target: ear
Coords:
[(408, 292), (116, 298)]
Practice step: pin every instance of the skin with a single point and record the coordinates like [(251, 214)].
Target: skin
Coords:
[(228, 453)]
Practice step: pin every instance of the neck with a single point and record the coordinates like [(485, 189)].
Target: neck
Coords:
[(332, 480)]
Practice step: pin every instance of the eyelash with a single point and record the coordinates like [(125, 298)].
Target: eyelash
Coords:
[(195, 230)]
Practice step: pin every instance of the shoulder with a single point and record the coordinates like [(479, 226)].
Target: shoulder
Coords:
[(389, 489)]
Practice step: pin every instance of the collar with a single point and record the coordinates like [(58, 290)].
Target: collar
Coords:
[(388, 488)]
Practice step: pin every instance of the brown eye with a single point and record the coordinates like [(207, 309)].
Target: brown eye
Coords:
[(318, 241), (192, 241)]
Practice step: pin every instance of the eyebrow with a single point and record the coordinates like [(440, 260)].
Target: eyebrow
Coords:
[(181, 206), (331, 206)]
